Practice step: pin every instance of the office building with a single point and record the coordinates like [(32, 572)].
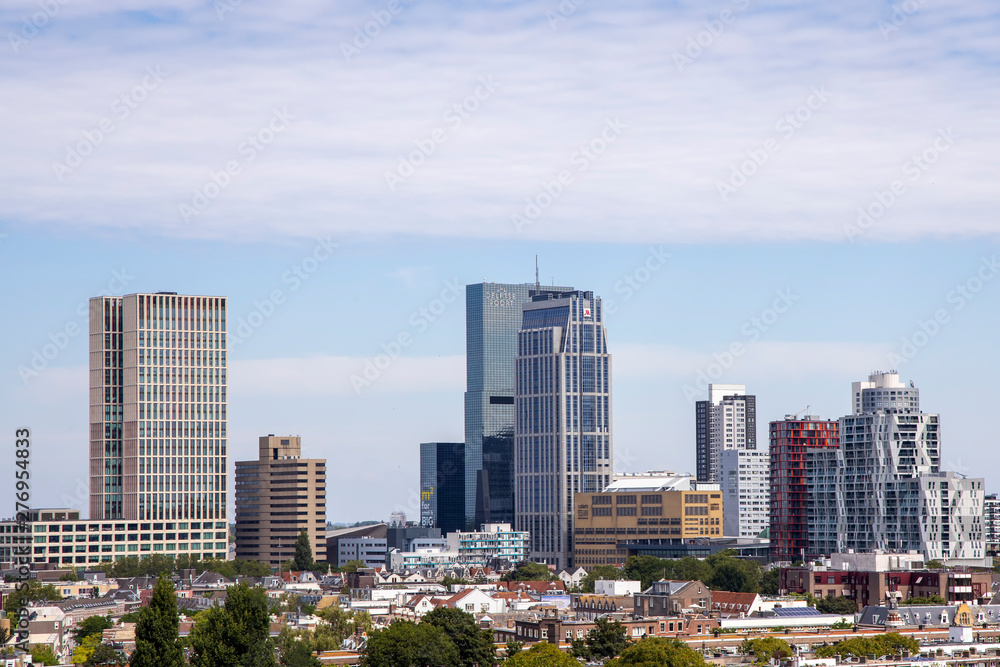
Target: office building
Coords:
[(277, 496), (563, 427), (890, 490), (791, 443), (371, 551), (991, 523), (442, 485), (744, 476), (495, 542), (492, 321), (59, 537), (656, 514), (158, 408), (727, 420)]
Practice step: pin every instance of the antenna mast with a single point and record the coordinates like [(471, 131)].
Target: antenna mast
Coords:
[(538, 286)]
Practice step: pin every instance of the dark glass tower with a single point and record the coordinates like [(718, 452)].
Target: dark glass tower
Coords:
[(492, 320), (442, 485)]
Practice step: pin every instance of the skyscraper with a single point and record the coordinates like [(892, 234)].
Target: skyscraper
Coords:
[(563, 428), (744, 477), (442, 485), (889, 488), (727, 420), (277, 496), (791, 442), (492, 320), (158, 408)]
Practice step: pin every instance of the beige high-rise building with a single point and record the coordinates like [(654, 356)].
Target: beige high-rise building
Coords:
[(276, 497)]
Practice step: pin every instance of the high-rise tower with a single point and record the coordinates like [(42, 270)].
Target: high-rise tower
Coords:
[(492, 320), (727, 420), (563, 428), (158, 407)]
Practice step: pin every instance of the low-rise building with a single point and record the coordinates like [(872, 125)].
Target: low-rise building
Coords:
[(649, 512), (670, 598), (494, 541), (369, 550)]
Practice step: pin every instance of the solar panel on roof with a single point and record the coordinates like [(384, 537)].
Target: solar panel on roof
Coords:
[(796, 611)]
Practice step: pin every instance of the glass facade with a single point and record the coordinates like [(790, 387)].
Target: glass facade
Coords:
[(492, 319), (158, 407), (442, 485), (563, 439)]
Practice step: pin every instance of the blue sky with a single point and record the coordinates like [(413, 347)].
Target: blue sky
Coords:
[(190, 148)]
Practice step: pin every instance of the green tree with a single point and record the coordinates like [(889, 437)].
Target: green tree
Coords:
[(157, 643), (352, 566), (596, 574), (607, 639), (765, 649), (930, 599), (42, 654), (406, 644), (528, 571), (770, 581), (935, 565), (658, 652), (475, 645), (842, 624), (105, 655), (82, 652), (450, 581), (236, 634), (303, 552), (542, 654), (836, 605), (646, 570), (300, 655), (579, 649), (513, 648), (888, 643), (92, 625), (728, 573)]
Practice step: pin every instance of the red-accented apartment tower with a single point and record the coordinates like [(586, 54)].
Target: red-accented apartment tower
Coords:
[(790, 440)]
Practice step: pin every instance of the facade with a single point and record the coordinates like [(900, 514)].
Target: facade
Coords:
[(277, 496), (494, 541), (653, 512), (492, 320), (791, 442), (59, 537), (369, 550), (825, 504), (744, 475), (442, 485), (563, 431), (158, 408), (727, 420), (991, 521), (670, 598), (891, 492)]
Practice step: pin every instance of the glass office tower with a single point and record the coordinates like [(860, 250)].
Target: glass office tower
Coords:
[(442, 486), (563, 433), (492, 320)]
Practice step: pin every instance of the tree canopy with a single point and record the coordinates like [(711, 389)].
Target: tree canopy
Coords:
[(542, 654), (607, 639), (836, 605), (475, 645), (764, 649), (303, 552), (888, 643), (236, 634), (92, 625), (930, 599), (528, 571), (157, 643), (722, 571), (658, 652), (598, 573), (407, 644)]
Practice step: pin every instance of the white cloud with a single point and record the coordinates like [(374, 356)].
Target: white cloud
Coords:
[(354, 120)]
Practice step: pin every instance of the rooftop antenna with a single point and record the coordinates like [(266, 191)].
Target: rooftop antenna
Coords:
[(538, 286)]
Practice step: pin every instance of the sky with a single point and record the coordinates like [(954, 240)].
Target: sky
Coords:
[(782, 195)]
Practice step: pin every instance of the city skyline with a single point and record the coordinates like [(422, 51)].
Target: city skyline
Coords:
[(804, 358)]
